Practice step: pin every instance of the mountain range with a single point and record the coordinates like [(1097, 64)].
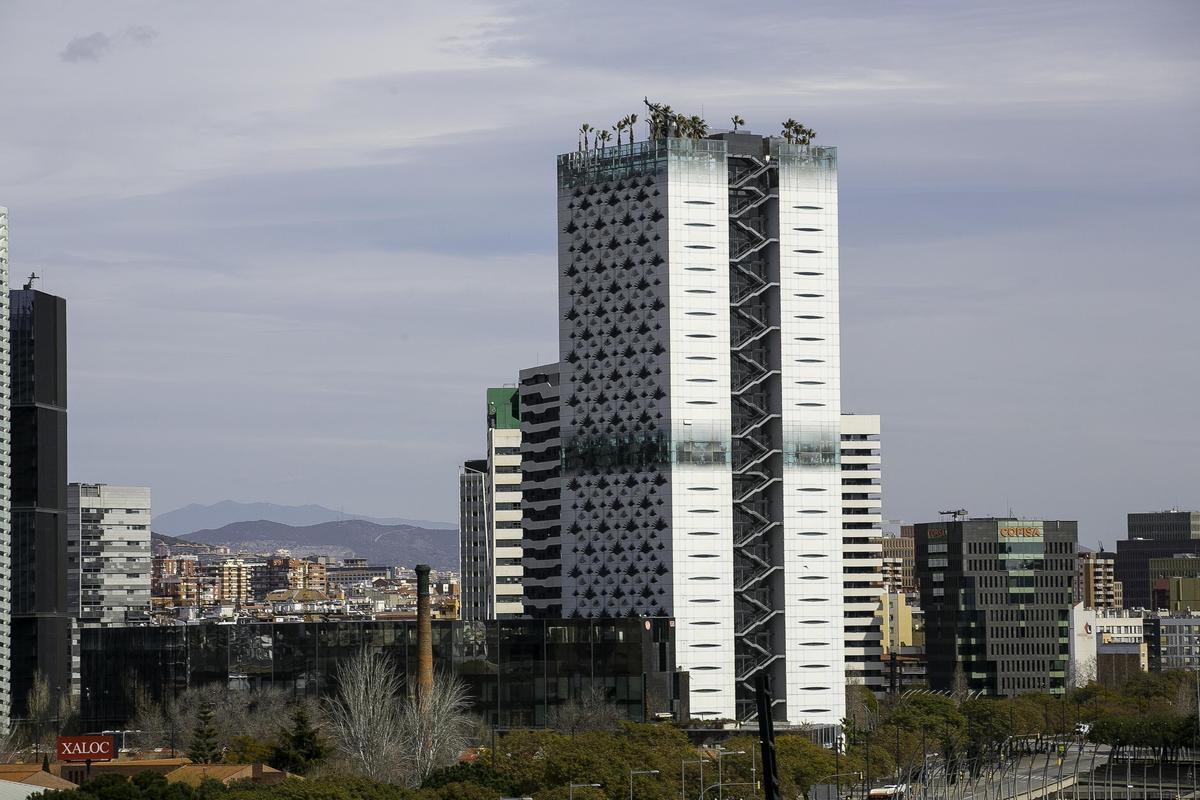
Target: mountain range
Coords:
[(197, 517), (401, 544)]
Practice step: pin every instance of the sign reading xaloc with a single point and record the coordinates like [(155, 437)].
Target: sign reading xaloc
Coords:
[(85, 748)]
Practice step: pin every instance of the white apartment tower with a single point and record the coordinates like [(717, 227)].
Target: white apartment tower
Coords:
[(108, 553), (490, 517), (862, 544), (6, 574), (699, 344)]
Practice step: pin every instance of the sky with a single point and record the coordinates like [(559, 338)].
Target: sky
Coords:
[(299, 239)]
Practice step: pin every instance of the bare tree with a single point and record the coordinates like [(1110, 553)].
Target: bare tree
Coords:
[(592, 711), (257, 715), (387, 736), (10, 743), (66, 714), (40, 712), (162, 724), (364, 716), (435, 728)]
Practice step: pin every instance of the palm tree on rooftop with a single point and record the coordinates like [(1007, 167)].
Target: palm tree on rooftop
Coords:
[(584, 129), (602, 138), (697, 127), (737, 121), (630, 121), (655, 113), (789, 130), (680, 121), (665, 115), (619, 128)]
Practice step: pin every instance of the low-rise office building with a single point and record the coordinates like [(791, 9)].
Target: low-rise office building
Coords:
[(1174, 571), (1107, 645), (517, 671), (1153, 535), (1173, 641)]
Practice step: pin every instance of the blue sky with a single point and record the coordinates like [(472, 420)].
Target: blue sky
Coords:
[(299, 239)]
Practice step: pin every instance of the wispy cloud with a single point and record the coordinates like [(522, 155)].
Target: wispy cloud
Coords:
[(94, 46)]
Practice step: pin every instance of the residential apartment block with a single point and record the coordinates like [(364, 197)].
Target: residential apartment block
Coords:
[(899, 561), (108, 535), (490, 517), (1096, 585)]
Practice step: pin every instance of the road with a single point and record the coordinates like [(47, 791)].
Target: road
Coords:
[(1029, 778)]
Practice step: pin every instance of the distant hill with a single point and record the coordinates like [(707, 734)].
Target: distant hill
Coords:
[(198, 517), (161, 544), (351, 538)]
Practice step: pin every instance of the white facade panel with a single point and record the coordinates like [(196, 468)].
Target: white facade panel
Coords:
[(810, 385), (701, 484)]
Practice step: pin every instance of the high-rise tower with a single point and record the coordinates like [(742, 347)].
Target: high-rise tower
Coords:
[(41, 624), (6, 576), (700, 386)]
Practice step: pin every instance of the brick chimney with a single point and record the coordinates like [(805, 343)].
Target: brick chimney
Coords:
[(424, 633)]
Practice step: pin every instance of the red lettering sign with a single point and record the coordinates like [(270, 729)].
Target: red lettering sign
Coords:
[(85, 748)]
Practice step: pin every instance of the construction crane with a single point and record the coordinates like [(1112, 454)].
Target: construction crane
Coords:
[(955, 514)]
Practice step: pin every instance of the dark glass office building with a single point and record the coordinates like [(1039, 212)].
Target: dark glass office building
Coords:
[(1158, 534), (997, 597), (41, 619), (516, 670)]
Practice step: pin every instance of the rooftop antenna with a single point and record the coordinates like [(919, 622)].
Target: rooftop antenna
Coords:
[(955, 514), (33, 276)]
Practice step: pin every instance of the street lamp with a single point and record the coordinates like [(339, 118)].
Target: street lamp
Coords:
[(721, 772), (571, 789), (683, 776), (839, 776), (633, 772)]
